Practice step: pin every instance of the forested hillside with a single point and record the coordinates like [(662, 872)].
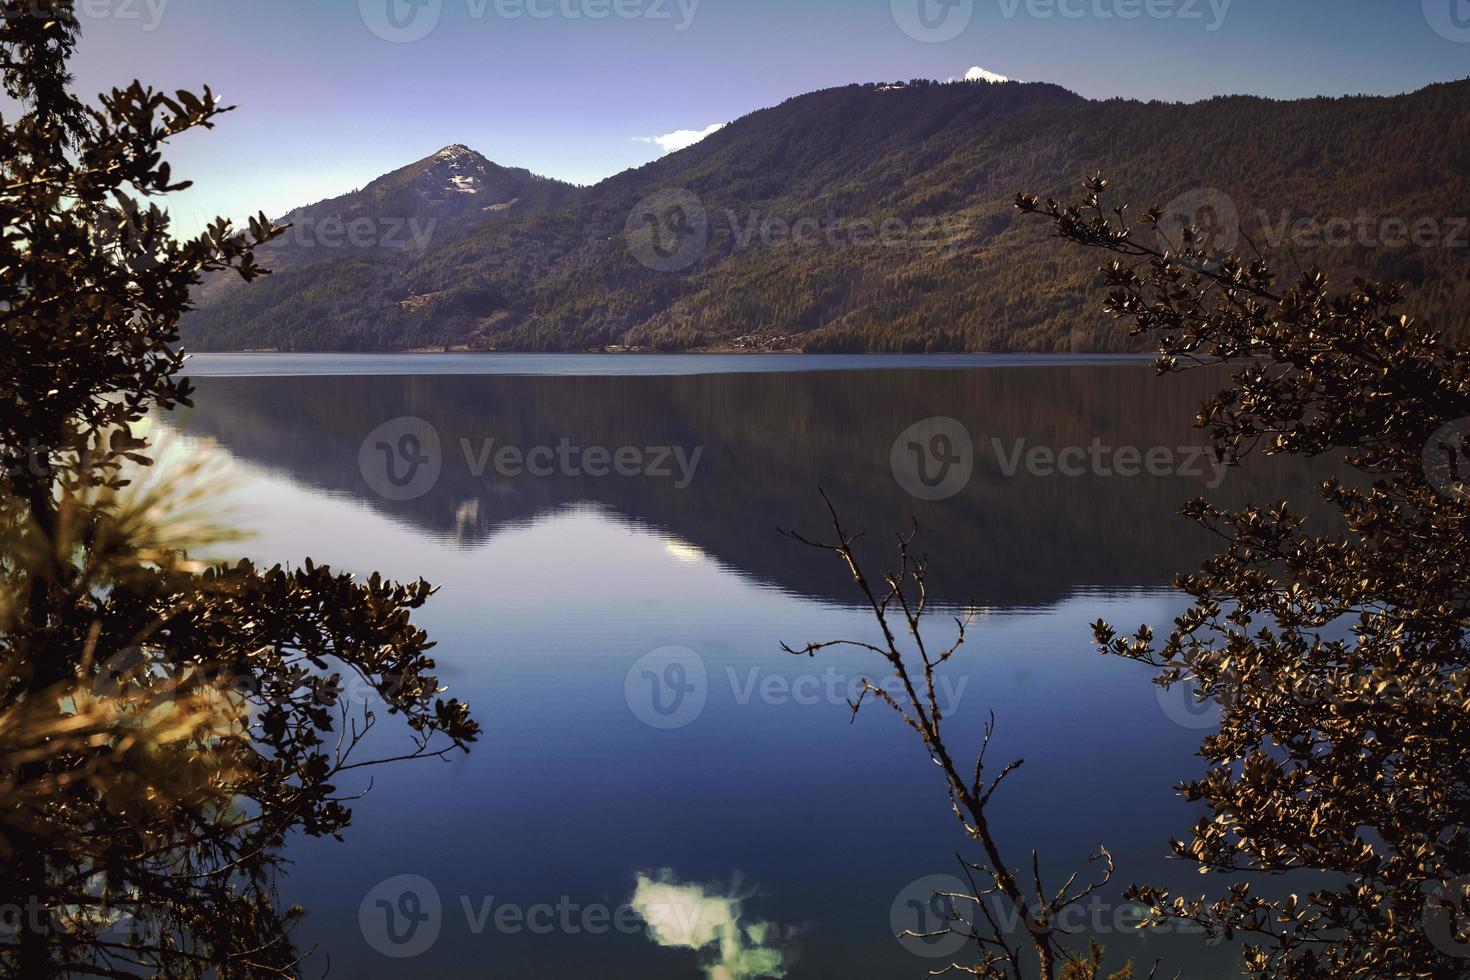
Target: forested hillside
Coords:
[(875, 217)]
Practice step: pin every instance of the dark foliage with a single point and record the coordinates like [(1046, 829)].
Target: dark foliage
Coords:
[(1339, 767), (164, 724)]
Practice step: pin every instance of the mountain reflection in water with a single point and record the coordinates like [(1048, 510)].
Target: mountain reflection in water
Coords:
[(561, 594)]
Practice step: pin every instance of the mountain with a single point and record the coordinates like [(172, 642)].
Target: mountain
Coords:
[(879, 217), (433, 200)]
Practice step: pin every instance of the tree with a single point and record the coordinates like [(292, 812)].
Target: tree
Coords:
[(1000, 898), (1338, 781), (1340, 771), (164, 723)]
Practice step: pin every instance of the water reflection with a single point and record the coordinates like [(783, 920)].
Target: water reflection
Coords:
[(690, 916), (1042, 514), (556, 588)]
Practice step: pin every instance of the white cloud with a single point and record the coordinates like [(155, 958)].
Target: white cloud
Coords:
[(681, 138), (683, 916), (978, 74)]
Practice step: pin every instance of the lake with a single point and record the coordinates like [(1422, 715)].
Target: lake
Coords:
[(614, 596)]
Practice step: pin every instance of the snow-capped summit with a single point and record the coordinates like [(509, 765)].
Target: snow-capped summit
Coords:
[(457, 170), (450, 191), (465, 168), (455, 151)]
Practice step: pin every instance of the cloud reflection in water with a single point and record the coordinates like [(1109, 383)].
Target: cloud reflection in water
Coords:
[(688, 916)]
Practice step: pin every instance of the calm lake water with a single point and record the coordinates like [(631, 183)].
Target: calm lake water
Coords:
[(613, 606)]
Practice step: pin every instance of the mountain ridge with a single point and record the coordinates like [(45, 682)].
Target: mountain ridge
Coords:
[(582, 268)]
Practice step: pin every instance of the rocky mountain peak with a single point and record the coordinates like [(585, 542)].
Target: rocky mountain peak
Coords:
[(456, 151)]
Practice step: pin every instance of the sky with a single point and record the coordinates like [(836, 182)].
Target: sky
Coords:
[(333, 93)]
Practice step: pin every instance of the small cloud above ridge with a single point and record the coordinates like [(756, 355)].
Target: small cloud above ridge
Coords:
[(681, 139), (979, 74)]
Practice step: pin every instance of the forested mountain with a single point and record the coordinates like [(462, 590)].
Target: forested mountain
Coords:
[(879, 217), (407, 211)]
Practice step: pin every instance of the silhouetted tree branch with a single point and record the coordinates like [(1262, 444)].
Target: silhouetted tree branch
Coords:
[(164, 723), (1340, 662), (902, 598)]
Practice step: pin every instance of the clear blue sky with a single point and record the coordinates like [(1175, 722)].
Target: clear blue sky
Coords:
[(327, 103)]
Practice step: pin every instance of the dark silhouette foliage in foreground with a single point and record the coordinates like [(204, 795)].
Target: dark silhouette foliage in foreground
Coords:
[(165, 723), (1339, 768), (1338, 778)]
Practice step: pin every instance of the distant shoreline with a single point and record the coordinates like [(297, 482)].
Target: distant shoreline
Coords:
[(632, 364), (537, 353), (644, 352)]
